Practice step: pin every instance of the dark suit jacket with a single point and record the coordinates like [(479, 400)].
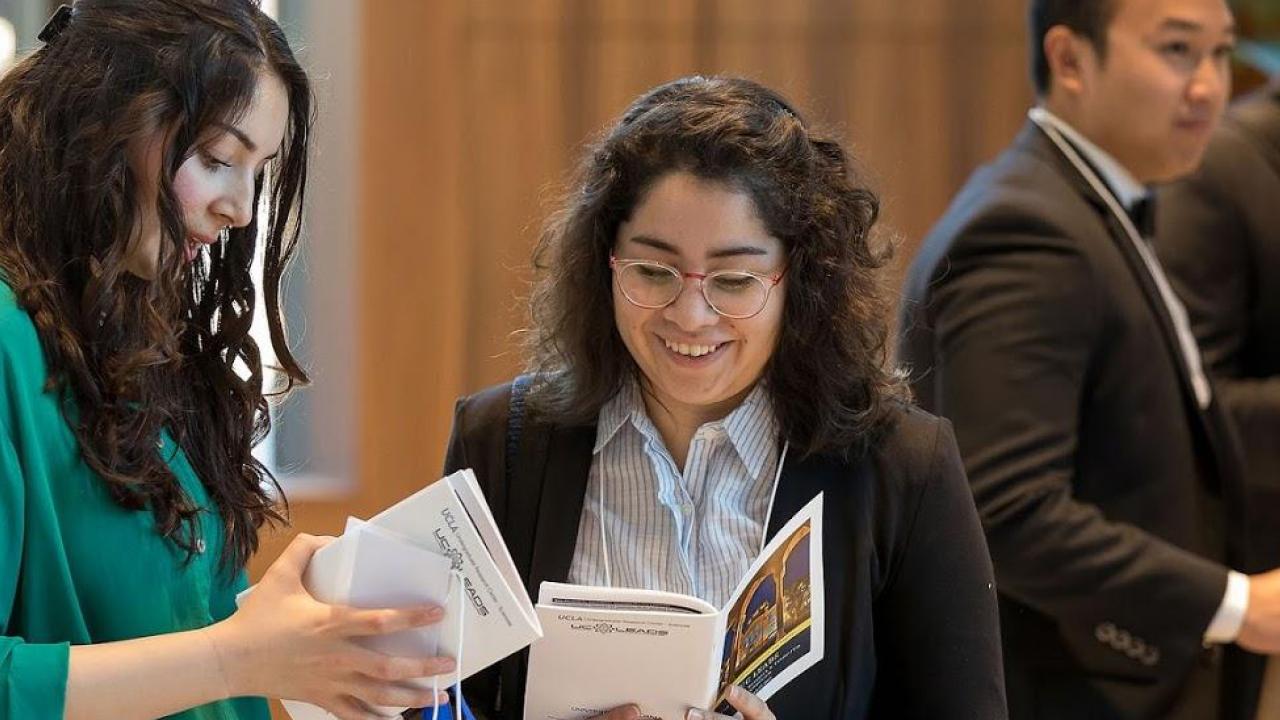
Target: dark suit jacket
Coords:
[(911, 625), (1218, 233), (1031, 323)]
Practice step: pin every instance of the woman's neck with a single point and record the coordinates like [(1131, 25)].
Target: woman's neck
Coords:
[(677, 422)]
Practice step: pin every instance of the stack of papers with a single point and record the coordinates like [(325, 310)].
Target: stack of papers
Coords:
[(438, 546)]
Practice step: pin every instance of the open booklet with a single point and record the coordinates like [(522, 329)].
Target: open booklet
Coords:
[(442, 546), (604, 647)]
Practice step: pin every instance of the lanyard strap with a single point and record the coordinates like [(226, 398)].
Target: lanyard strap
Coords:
[(457, 708)]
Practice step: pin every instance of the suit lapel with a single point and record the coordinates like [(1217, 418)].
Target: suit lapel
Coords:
[(801, 480), (1155, 301), (1209, 422), (1043, 146)]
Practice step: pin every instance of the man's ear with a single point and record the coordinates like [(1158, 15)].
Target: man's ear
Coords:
[(1069, 56)]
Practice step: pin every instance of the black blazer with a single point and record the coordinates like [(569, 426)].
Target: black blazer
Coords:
[(1218, 233), (910, 607), (1031, 323)]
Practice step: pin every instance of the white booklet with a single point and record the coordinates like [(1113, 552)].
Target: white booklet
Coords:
[(442, 546), (604, 647)]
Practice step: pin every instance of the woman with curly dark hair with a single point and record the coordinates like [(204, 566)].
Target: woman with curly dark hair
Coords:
[(707, 354), (136, 148)]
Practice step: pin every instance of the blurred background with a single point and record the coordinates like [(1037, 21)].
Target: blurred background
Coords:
[(447, 127)]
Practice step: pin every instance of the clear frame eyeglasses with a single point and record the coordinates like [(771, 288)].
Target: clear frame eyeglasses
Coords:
[(736, 294)]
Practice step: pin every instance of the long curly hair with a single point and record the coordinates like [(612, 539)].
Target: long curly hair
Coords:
[(128, 356), (829, 377)]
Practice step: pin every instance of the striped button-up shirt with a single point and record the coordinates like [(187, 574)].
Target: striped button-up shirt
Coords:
[(693, 532)]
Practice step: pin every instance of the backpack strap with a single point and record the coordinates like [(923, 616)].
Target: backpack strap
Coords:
[(508, 673), (515, 425)]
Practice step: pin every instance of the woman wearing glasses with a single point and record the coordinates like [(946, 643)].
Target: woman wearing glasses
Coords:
[(708, 320), (135, 146)]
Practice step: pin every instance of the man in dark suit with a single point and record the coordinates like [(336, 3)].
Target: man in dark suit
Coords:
[(1038, 319), (1220, 240)]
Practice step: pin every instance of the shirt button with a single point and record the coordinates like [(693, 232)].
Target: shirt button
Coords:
[(200, 546)]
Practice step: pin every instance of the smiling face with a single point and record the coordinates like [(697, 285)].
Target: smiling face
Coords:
[(1153, 99), (694, 361), (215, 184)]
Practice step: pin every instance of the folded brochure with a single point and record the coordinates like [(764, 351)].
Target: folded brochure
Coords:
[(439, 546), (604, 647)]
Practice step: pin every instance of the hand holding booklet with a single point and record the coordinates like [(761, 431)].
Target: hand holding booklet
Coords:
[(440, 546), (604, 647)]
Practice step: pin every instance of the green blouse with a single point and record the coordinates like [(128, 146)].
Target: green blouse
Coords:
[(75, 567)]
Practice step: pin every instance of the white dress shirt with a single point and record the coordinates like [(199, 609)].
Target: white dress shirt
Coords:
[(1126, 191), (693, 532)]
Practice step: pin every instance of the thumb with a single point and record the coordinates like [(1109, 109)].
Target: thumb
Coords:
[(295, 558)]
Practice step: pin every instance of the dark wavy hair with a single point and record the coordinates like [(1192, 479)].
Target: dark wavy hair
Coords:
[(127, 356), (829, 377)]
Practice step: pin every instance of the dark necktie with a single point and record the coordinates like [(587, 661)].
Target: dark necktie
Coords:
[(1143, 215)]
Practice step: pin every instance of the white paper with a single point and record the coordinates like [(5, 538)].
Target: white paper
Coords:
[(499, 614), (816, 632), (604, 647), (609, 647), (379, 580), (438, 546), (373, 568)]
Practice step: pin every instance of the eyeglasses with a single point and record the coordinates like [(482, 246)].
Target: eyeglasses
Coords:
[(736, 294)]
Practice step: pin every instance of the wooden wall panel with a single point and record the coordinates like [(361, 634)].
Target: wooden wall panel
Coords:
[(513, 109), (413, 249), (632, 46), (923, 92)]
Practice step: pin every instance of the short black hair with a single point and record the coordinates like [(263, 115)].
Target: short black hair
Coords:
[(1087, 18)]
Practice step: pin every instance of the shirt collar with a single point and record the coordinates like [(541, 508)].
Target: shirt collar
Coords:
[(1123, 184), (615, 413), (752, 427), (752, 420)]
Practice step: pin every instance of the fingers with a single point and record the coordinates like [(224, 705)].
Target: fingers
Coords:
[(358, 622), (751, 707), (350, 708), (374, 680), (390, 668), (295, 557), (381, 694)]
